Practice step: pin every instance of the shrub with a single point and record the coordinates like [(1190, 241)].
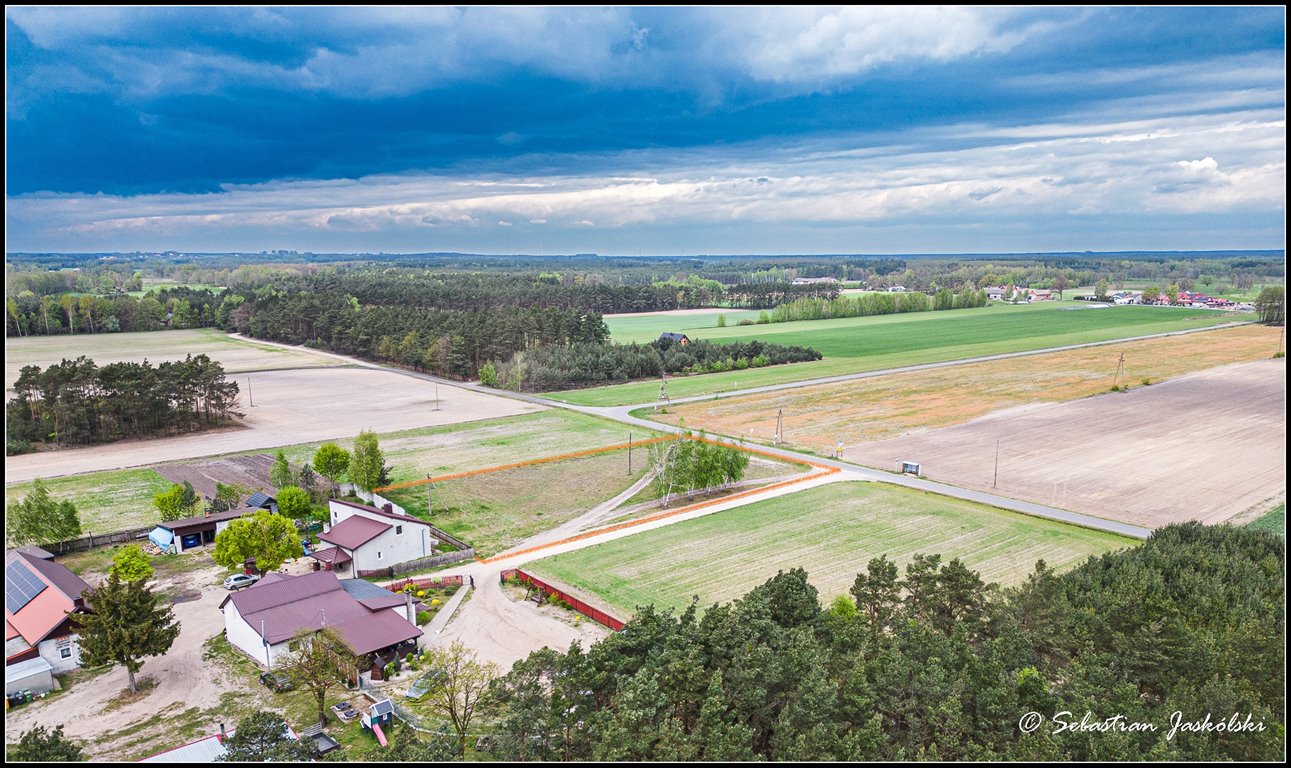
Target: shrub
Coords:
[(1115, 388), (449, 590), (408, 658), (1146, 381), (745, 321), (423, 617)]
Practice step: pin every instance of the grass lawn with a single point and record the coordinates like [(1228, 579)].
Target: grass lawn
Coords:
[(236, 355), (107, 501), (498, 510), (852, 345), (122, 499), (832, 531), (1274, 520)]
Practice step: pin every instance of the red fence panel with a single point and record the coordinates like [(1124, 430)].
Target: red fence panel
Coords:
[(595, 614)]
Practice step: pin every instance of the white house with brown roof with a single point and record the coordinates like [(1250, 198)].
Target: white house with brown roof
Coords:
[(40, 640), (366, 538), (262, 619)]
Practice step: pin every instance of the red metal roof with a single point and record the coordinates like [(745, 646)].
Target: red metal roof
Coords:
[(47, 610), (331, 555), (354, 531), (382, 512)]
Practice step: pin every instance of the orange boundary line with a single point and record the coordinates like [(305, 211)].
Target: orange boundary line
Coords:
[(529, 463), (663, 515)]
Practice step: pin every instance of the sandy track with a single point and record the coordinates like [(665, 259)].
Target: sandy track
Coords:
[(183, 679), (1202, 447), (293, 406)]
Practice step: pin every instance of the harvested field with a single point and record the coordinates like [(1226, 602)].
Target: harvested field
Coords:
[(1202, 447), (867, 410), (291, 406), (236, 355), (249, 471), (832, 531)]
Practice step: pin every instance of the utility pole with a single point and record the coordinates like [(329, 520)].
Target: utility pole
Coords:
[(437, 395), (249, 395), (629, 453), (1120, 371), (430, 502), (663, 392), (997, 464), (779, 427)]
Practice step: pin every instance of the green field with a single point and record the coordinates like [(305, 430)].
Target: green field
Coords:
[(498, 510), (236, 355), (645, 328), (853, 345), (122, 499), (1274, 520), (832, 531)]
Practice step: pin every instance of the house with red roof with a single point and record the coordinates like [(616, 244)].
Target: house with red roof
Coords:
[(262, 619), (40, 640), (366, 539)]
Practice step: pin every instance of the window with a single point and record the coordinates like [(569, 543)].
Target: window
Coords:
[(398, 530), (378, 554), (65, 653)]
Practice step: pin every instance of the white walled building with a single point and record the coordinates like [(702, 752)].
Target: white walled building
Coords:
[(365, 538)]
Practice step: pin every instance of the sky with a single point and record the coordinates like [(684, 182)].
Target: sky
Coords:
[(645, 130)]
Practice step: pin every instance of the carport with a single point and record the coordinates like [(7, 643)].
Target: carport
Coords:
[(191, 532)]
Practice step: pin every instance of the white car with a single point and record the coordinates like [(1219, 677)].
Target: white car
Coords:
[(239, 580)]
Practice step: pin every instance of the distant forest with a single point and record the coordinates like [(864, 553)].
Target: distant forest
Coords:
[(76, 402), (935, 665)]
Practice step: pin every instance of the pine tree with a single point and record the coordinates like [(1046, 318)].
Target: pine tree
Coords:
[(126, 624)]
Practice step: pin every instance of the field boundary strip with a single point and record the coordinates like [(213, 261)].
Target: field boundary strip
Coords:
[(825, 471), (527, 463)]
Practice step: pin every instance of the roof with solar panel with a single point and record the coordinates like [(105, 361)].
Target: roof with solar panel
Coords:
[(39, 594)]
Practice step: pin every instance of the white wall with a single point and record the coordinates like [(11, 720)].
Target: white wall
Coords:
[(414, 542), (246, 638), (50, 650)]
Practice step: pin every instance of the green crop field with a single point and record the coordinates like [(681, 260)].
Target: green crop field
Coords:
[(1274, 520), (852, 345), (832, 531), (645, 328), (122, 499)]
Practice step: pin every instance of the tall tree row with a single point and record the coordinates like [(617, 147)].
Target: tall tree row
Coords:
[(75, 402)]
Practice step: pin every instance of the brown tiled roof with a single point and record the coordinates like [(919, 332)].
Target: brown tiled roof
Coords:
[(188, 522), (314, 601), (331, 555), (354, 531)]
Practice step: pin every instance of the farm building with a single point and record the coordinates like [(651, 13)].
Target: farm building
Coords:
[(365, 538), (177, 536), (675, 338), (261, 500), (262, 619), (40, 640)]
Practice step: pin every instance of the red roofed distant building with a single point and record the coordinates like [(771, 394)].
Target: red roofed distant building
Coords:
[(40, 640), (367, 539)]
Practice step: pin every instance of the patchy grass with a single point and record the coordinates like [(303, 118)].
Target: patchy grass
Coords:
[(867, 410), (143, 686), (1274, 520), (107, 501), (498, 510), (832, 531), (852, 345)]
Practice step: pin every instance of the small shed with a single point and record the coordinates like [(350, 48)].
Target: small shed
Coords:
[(262, 500), (193, 532)]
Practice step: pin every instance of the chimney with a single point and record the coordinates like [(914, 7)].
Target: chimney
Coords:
[(388, 507), (222, 735), (407, 601)]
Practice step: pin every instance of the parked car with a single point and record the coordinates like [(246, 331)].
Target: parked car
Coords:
[(239, 580), (276, 682)]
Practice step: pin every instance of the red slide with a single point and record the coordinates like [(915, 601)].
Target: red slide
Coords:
[(381, 737)]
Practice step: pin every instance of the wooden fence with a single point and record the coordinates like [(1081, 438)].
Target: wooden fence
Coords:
[(595, 614), (97, 540), (421, 563)]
